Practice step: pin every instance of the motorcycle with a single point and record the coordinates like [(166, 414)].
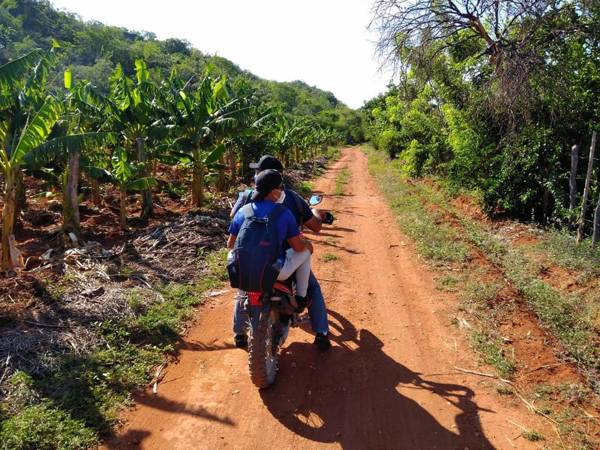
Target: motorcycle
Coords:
[(271, 314)]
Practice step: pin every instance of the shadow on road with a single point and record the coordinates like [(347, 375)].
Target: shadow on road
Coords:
[(349, 395)]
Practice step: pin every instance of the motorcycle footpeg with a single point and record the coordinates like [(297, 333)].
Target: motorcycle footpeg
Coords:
[(295, 320), (299, 319)]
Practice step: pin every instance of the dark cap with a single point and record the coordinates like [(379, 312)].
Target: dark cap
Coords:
[(266, 181), (267, 162)]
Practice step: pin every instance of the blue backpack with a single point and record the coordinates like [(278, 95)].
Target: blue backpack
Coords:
[(251, 266)]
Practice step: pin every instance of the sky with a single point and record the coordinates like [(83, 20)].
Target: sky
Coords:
[(324, 43)]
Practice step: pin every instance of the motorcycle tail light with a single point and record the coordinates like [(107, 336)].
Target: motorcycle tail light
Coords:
[(254, 298)]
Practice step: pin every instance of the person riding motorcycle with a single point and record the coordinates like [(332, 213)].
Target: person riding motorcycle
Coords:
[(294, 260), (305, 216)]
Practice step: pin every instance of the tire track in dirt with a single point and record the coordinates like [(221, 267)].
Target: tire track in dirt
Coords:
[(387, 383)]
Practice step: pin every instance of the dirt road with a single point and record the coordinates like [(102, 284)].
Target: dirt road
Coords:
[(387, 383)]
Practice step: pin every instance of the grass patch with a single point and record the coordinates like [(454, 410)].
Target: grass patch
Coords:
[(328, 257), (447, 283), (561, 313), (503, 389), (44, 426), (341, 180), (76, 404), (565, 252), (333, 153), (532, 435), (477, 296), (434, 239), (175, 190), (492, 353), (305, 188), (216, 266)]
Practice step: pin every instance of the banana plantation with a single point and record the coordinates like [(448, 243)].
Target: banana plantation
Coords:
[(79, 140)]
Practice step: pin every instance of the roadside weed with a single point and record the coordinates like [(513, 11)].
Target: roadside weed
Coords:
[(328, 257), (341, 180)]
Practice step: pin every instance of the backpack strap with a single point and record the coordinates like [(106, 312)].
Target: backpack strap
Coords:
[(247, 210), (246, 196), (275, 213)]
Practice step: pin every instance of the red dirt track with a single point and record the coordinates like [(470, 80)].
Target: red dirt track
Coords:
[(388, 382)]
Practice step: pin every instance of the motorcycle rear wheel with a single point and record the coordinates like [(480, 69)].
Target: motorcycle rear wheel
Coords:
[(262, 354)]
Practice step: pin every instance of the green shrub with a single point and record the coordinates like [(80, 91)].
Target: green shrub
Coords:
[(41, 427)]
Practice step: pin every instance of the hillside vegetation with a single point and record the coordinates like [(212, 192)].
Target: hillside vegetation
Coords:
[(91, 50)]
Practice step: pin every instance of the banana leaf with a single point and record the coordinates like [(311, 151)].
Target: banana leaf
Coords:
[(37, 131), (141, 184), (13, 71), (215, 155), (57, 149)]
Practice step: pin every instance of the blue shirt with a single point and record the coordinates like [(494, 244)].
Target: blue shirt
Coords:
[(296, 204), (286, 223)]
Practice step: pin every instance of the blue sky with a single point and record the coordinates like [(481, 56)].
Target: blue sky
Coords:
[(321, 42)]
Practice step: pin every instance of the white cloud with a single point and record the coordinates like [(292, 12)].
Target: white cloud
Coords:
[(322, 42)]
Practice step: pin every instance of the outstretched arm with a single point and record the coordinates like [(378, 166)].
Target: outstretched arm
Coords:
[(231, 241), (300, 244), (315, 223)]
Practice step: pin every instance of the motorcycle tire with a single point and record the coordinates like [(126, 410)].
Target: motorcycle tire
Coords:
[(262, 354)]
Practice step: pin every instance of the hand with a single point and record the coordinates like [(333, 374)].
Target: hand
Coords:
[(319, 213), (325, 216), (308, 245)]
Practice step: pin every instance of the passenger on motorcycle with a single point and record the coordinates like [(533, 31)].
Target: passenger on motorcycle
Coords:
[(296, 259), (304, 216)]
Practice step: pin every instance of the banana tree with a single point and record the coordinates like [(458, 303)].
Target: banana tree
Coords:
[(202, 120), (131, 109), (88, 108), (128, 176), (282, 137), (247, 137), (28, 131), (21, 89), (17, 144), (69, 150)]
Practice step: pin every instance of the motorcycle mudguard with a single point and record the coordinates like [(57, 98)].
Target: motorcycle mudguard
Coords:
[(255, 307), (282, 330)]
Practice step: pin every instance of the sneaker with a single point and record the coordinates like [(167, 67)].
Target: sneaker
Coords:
[(322, 341), (301, 301), (240, 341)]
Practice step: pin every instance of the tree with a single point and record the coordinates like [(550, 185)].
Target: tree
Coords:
[(127, 176), (507, 32), (27, 124), (203, 117), (130, 114)]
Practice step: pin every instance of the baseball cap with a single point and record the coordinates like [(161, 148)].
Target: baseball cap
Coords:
[(266, 181), (267, 162)]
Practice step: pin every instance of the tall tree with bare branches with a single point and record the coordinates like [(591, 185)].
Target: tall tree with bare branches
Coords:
[(506, 31)]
